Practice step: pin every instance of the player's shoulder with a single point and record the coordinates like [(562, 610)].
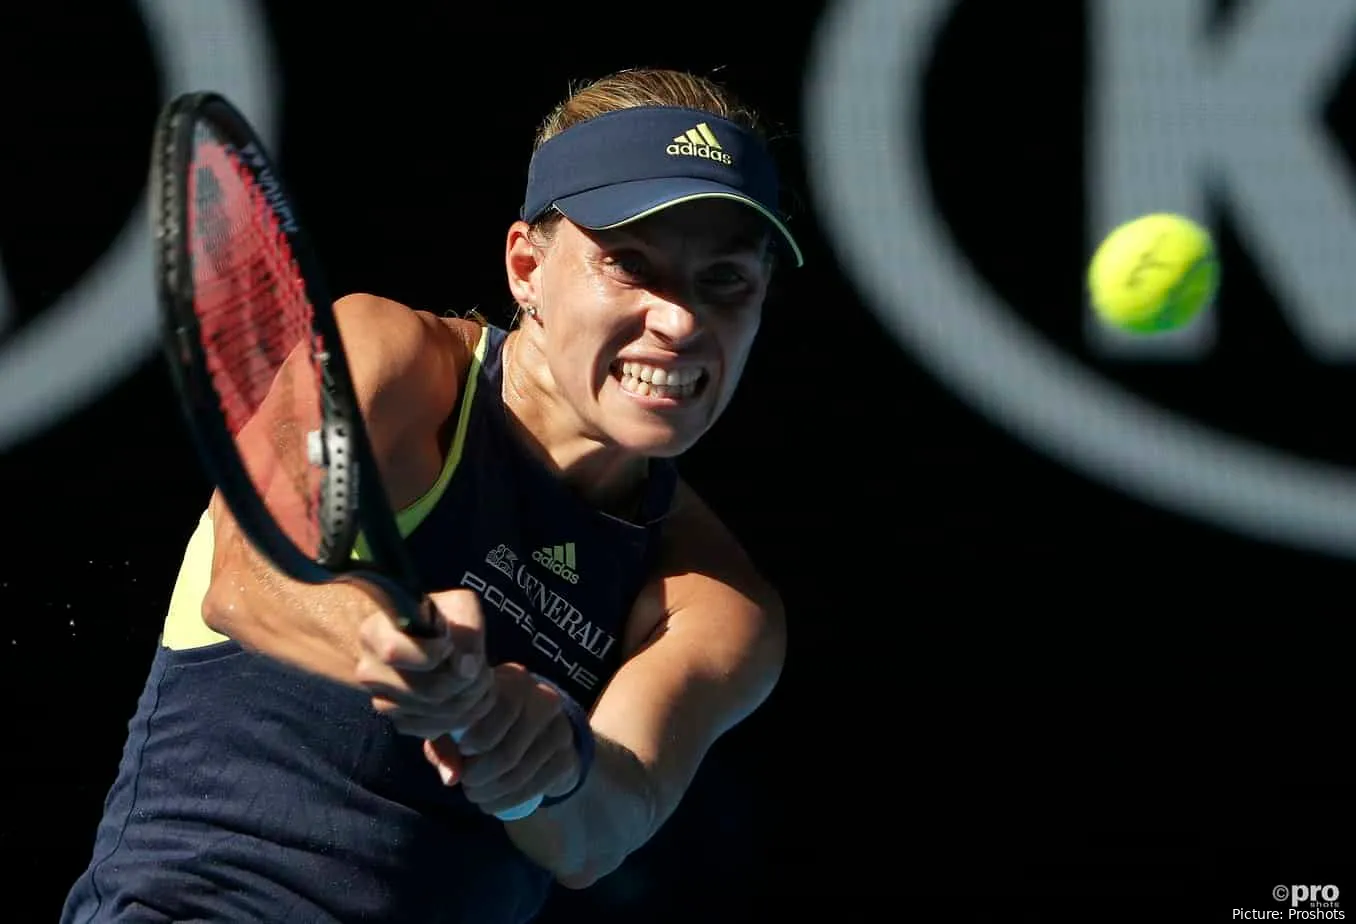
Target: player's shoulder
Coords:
[(400, 356), (374, 324), (702, 565), (694, 534)]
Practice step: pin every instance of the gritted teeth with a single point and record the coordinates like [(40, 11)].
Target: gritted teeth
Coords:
[(655, 375), (645, 380)]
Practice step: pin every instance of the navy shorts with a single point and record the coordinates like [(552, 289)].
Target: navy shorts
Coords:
[(249, 791)]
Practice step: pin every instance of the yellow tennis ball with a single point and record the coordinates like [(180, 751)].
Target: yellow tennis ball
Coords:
[(1152, 274)]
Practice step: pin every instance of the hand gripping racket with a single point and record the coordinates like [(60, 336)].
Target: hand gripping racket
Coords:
[(252, 342)]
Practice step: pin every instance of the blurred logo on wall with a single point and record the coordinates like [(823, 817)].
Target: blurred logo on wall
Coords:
[(105, 326), (965, 158)]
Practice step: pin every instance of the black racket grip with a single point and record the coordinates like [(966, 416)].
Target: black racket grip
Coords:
[(414, 614), (418, 618)]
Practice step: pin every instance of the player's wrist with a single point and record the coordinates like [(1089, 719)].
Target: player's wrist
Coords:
[(585, 744)]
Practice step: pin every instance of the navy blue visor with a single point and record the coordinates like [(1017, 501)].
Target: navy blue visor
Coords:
[(622, 166)]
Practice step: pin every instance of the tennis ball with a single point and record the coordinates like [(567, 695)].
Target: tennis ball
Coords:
[(1154, 273)]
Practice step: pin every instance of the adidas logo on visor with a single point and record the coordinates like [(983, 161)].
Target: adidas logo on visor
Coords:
[(699, 141)]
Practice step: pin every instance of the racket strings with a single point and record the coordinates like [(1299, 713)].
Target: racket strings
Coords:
[(256, 330), (251, 300)]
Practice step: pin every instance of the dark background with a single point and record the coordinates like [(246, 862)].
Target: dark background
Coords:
[(1010, 690)]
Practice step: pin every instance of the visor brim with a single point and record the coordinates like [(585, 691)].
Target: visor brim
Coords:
[(623, 203)]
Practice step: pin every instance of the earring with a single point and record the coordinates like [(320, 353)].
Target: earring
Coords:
[(530, 311)]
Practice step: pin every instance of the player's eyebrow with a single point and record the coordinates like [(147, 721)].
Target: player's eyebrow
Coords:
[(740, 241)]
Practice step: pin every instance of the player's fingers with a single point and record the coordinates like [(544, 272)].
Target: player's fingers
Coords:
[(450, 714), (463, 623), (443, 689), (545, 779), (421, 701), (414, 724), (378, 676), (407, 720), (380, 639), (442, 753), (474, 709), (413, 709), (489, 730), (517, 779), (487, 763)]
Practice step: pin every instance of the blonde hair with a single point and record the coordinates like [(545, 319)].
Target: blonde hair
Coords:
[(646, 87)]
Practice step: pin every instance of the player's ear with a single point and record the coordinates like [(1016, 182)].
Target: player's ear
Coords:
[(522, 260)]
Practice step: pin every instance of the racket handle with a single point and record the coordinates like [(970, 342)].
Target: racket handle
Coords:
[(414, 614), (418, 618)]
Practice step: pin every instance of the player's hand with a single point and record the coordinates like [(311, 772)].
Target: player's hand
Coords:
[(429, 687), (520, 750)]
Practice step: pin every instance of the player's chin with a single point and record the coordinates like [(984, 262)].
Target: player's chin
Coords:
[(656, 430), (652, 439)]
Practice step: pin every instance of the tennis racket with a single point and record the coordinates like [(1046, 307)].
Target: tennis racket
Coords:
[(249, 331)]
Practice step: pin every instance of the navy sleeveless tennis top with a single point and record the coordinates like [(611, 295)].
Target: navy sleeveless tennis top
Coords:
[(556, 577), (251, 791)]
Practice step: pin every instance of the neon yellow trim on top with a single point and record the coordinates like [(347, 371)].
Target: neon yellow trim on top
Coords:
[(414, 514)]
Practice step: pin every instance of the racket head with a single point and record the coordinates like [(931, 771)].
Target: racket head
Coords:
[(240, 292)]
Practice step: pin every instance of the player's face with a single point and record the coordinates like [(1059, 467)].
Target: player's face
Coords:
[(649, 326)]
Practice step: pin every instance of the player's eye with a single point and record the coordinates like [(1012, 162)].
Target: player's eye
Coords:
[(724, 276), (629, 264)]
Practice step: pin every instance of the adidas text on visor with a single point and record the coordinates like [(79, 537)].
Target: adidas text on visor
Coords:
[(622, 166)]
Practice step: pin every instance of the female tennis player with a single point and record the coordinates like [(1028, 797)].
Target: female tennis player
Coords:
[(296, 758)]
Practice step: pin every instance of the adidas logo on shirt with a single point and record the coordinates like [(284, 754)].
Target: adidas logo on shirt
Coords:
[(559, 560)]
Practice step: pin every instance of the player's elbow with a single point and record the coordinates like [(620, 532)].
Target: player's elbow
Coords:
[(225, 605), (220, 608), (590, 873), (766, 654), (577, 881)]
